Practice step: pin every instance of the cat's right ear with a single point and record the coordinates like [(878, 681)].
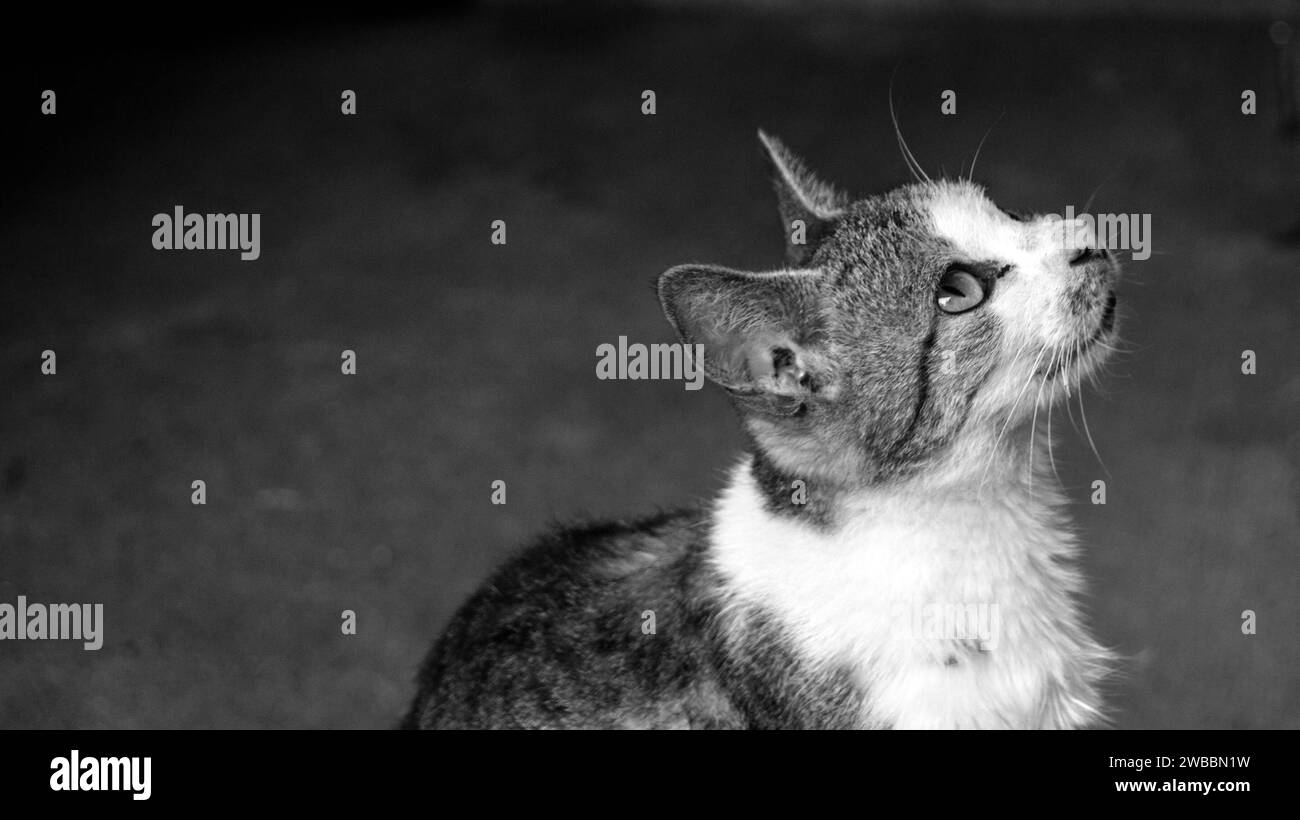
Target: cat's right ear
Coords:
[(808, 206), (762, 333)]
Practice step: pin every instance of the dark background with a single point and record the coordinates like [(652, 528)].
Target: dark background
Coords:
[(476, 362)]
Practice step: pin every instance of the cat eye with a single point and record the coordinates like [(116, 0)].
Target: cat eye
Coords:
[(960, 291), (1016, 215)]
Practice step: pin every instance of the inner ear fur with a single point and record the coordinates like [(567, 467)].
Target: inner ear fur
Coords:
[(762, 333)]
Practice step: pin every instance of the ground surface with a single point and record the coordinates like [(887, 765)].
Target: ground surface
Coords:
[(476, 362)]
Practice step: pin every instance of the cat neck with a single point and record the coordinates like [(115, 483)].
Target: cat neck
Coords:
[(847, 579), (995, 467)]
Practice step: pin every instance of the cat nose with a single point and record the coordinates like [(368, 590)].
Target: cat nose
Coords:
[(1094, 266), (1086, 255)]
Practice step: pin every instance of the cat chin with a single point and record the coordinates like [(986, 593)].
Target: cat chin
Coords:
[(1079, 364), (1083, 358)]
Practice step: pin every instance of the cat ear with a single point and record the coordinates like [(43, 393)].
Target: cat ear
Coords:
[(761, 332), (808, 206)]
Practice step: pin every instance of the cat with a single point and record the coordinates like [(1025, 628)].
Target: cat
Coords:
[(889, 380)]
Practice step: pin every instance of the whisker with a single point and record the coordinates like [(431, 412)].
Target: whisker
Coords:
[(1077, 382), (1033, 424), (970, 177), (1050, 455), (1084, 415), (1088, 204), (1069, 411), (908, 156), (1011, 416)]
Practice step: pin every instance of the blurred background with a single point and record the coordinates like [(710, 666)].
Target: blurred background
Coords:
[(476, 362)]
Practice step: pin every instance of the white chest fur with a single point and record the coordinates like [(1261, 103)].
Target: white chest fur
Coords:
[(892, 590)]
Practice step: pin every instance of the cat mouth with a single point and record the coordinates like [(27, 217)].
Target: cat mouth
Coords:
[(1107, 317), (1070, 358)]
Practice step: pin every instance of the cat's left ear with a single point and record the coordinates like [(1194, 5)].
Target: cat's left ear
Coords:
[(762, 333), (809, 207)]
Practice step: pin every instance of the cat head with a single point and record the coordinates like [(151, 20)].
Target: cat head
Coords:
[(909, 330)]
